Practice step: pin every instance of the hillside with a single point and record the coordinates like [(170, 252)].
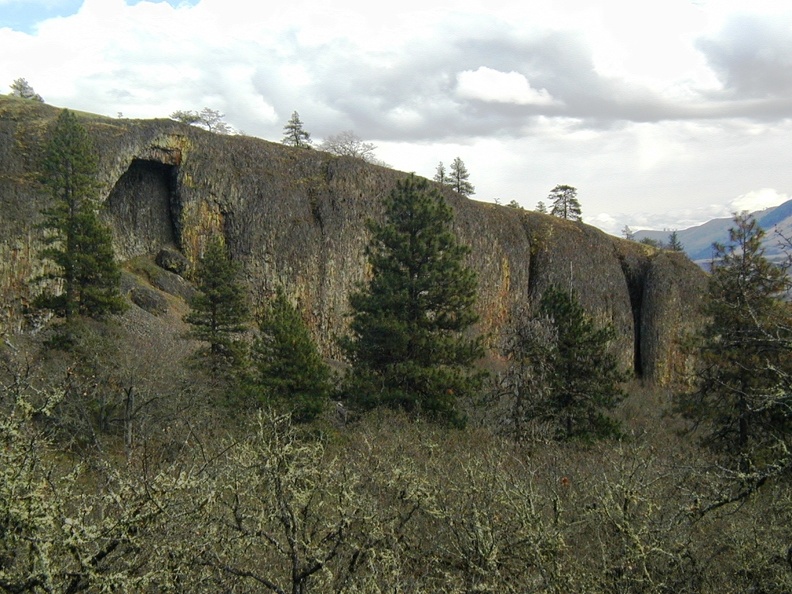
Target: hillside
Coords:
[(297, 218)]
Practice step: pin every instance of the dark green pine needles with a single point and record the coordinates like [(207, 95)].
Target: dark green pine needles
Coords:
[(409, 347), (78, 245)]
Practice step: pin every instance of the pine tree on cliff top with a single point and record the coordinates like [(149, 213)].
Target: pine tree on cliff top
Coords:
[(458, 178), (565, 203), (294, 132)]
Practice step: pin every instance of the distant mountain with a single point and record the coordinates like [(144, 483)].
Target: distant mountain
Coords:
[(697, 241)]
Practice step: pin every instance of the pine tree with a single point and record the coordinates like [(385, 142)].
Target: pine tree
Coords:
[(584, 379), (565, 203), (294, 133), (407, 347), (441, 176), (288, 366), (77, 243), (21, 88), (673, 242), (627, 233), (743, 387), (459, 178), (219, 311)]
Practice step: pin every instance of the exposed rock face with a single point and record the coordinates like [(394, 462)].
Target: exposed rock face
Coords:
[(297, 218)]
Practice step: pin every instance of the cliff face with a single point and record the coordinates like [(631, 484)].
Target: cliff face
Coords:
[(297, 218)]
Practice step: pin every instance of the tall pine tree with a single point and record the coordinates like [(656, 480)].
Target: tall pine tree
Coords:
[(584, 378), (294, 133), (565, 203), (77, 243), (408, 349), (458, 178), (441, 176), (742, 395)]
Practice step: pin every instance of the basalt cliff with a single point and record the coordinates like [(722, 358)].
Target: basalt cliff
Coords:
[(297, 218)]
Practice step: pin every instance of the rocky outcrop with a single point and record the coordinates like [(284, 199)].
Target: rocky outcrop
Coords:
[(297, 218)]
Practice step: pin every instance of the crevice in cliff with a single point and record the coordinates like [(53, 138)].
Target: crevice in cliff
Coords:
[(635, 285), (144, 206)]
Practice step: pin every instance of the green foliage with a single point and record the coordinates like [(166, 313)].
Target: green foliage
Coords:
[(743, 384), (76, 242), (294, 134), (219, 311), (441, 175), (673, 242), (565, 204), (185, 116), (407, 347), (210, 119), (563, 373), (652, 242), (203, 504), (288, 367), (77, 527), (627, 233), (458, 178)]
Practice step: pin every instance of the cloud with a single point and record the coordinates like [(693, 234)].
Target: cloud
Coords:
[(758, 200), (486, 84), (529, 95), (752, 56)]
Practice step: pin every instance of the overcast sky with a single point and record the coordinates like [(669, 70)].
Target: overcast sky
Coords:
[(662, 113)]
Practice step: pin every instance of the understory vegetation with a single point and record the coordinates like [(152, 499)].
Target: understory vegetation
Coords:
[(110, 484)]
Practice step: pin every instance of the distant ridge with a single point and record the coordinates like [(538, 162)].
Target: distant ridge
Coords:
[(697, 241)]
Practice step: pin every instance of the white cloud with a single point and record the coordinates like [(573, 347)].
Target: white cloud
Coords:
[(758, 200), (611, 97), (487, 84)]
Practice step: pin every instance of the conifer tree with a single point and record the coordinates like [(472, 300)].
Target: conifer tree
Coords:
[(78, 245), (441, 175), (219, 311), (584, 379), (743, 389), (565, 204), (673, 242), (627, 233), (21, 88), (458, 176), (294, 134), (288, 366), (407, 347)]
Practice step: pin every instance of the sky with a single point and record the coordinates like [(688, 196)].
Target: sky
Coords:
[(662, 113)]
